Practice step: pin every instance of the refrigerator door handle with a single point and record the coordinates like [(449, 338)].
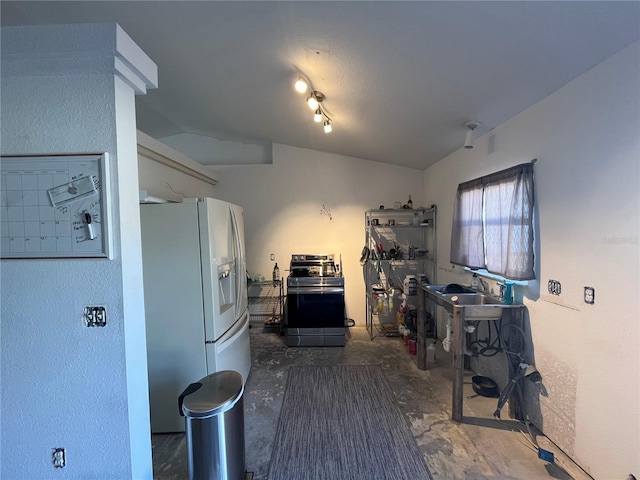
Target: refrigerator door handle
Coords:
[(234, 331), (241, 275)]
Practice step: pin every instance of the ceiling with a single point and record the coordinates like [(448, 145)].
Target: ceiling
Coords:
[(401, 79)]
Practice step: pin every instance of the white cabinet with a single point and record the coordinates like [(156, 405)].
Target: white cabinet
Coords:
[(398, 242)]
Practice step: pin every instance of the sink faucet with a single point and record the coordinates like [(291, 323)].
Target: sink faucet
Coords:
[(484, 287)]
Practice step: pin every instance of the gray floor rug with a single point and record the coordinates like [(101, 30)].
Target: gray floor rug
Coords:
[(340, 423)]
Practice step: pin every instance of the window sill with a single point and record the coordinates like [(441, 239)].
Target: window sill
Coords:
[(483, 273)]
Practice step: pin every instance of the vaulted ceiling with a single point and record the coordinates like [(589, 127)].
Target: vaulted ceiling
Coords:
[(401, 79)]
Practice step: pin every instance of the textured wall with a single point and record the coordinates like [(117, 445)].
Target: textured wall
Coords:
[(63, 384), (283, 203), (586, 139)]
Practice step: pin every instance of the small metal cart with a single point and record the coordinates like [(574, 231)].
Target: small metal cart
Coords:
[(266, 304)]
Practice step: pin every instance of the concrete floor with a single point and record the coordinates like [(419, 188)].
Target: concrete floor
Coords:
[(479, 448)]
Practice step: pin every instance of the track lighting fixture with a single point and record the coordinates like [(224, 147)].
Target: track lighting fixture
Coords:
[(468, 141), (314, 101)]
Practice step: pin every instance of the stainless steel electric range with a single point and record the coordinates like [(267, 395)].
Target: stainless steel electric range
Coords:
[(314, 310)]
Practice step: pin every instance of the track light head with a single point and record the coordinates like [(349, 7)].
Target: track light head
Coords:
[(327, 126), (301, 85), (315, 99), (312, 102)]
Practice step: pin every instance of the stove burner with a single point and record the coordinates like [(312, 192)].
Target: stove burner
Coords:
[(300, 272)]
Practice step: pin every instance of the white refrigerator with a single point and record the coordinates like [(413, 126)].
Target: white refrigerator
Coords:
[(195, 294)]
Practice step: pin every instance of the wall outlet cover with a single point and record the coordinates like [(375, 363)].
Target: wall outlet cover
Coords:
[(95, 316), (58, 457), (589, 295), (554, 287)]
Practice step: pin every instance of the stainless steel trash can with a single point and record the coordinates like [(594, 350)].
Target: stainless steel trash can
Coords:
[(215, 427)]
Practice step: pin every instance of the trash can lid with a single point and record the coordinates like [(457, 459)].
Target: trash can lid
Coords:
[(219, 392)]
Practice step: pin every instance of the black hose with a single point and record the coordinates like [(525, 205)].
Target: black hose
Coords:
[(517, 368), (430, 315), (488, 347), (525, 414), (506, 346)]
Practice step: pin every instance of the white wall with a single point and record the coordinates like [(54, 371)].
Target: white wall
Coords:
[(586, 139), (63, 384), (214, 151), (167, 174), (283, 204)]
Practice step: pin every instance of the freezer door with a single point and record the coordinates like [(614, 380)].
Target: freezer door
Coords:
[(219, 282), (173, 308), (237, 225), (232, 351)]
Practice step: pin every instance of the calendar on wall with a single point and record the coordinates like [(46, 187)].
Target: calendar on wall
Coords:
[(54, 206)]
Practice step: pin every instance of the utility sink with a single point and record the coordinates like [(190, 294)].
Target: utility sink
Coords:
[(464, 304), (438, 293), (474, 306), (468, 304), (450, 288), (471, 299)]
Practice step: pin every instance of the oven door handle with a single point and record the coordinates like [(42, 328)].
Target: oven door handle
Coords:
[(314, 290)]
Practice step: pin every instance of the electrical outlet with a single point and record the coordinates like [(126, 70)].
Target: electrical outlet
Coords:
[(589, 295), (272, 257), (58, 457), (95, 316), (554, 287)]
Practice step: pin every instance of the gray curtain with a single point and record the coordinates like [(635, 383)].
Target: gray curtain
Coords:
[(498, 234), (467, 234)]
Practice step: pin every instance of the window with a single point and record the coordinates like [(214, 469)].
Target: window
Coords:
[(493, 223)]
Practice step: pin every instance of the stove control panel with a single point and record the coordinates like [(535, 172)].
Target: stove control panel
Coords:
[(317, 259)]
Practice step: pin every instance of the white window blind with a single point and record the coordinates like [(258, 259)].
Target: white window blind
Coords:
[(493, 223)]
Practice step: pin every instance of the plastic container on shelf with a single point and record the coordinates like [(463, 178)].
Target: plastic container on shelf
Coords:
[(410, 285), (431, 353), (377, 290), (413, 345)]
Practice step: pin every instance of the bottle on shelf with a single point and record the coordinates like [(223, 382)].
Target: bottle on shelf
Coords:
[(410, 285), (410, 202), (276, 273), (431, 353)]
